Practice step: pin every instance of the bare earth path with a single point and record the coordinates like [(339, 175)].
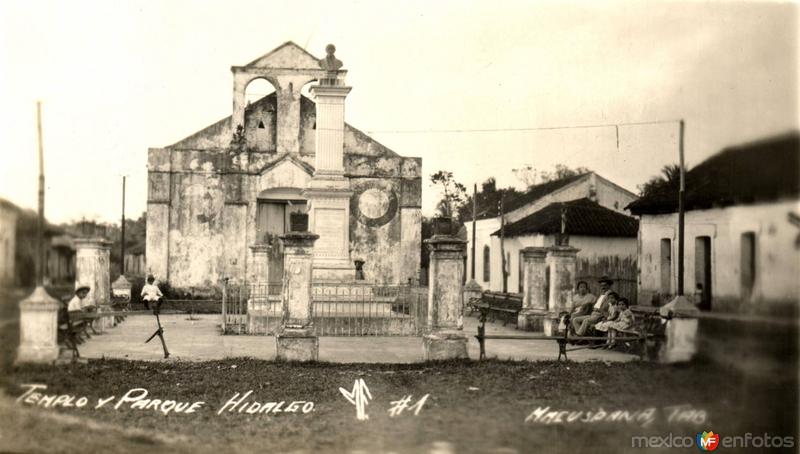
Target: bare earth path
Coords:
[(200, 340)]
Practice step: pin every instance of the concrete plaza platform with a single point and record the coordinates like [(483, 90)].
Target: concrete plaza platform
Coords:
[(201, 339)]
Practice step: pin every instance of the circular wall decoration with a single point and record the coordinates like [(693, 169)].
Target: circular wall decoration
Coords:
[(374, 205)]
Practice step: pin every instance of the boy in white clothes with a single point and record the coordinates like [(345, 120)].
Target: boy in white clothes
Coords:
[(151, 294)]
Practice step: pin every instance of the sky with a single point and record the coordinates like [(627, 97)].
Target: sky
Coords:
[(115, 78)]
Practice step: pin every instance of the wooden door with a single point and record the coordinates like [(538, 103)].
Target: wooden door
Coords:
[(702, 270)]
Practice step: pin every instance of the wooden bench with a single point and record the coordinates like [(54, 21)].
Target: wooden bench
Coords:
[(638, 335), (505, 306)]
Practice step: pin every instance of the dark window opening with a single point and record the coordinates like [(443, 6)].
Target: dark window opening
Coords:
[(748, 263), (260, 125), (486, 263)]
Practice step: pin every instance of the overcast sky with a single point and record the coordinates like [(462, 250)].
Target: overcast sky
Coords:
[(118, 77)]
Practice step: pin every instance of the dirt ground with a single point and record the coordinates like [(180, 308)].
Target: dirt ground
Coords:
[(471, 406)]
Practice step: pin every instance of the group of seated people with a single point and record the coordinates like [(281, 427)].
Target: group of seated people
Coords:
[(608, 313)]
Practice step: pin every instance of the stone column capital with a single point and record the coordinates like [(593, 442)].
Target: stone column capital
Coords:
[(92, 243), (121, 283), (562, 251), (299, 239), (440, 244), (261, 248), (534, 253)]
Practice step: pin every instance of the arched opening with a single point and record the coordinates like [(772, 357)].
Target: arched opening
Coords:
[(257, 89), (260, 118)]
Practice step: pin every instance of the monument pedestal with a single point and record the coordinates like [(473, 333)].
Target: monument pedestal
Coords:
[(328, 198)]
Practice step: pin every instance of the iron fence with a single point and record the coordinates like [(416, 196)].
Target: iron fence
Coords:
[(338, 309)]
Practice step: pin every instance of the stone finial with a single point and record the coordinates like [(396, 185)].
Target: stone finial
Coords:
[(330, 63)]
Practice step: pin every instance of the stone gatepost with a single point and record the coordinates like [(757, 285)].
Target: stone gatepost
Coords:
[(121, 293), (295, 339), (562, 263), (472, 290), (38, 328), (259, 272), (681, 331), (534, 300), (92, 269), (446, 339)]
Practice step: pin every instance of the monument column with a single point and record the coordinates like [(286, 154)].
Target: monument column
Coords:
[(562, 261), (328, 193), (295, 339), (446, 339), (534, 302), (92, 269)]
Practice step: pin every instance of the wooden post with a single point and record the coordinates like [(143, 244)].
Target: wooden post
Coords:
[(122, 257), (474, 215), (502, 245)]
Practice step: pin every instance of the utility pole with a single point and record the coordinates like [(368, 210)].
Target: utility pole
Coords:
[(38, 313), (40, 254), (681, 238), (122, 242), (474, 215)]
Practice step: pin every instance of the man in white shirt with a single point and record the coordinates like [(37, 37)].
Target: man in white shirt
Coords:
[(582, 323)]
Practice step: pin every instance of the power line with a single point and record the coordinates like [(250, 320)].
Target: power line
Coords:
[(541, 128)]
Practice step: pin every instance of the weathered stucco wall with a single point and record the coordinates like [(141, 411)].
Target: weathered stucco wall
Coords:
[(777, 256), (203, 195), (8, 243)]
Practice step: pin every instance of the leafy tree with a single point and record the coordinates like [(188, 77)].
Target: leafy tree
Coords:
[(560, 172), (668, 179), (454, 194)]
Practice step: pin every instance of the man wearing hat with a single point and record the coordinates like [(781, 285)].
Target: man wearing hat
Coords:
[(582, 323), (79, 303)]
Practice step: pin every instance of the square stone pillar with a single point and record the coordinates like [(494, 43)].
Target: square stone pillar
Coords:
[(92, 267), (259, 270), (446, 339), (120, 293), (561, 261), (38, 328), (328, 193), (681, 331), (295, 339), (534, 299)]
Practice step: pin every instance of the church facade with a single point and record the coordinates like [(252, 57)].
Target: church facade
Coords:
[(219, 200)]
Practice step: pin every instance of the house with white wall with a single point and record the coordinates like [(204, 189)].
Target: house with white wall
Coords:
[(742, 231), (591, 186)]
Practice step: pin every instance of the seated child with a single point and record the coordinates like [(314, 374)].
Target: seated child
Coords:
[(624, 321), (79, 302), (151, 294)]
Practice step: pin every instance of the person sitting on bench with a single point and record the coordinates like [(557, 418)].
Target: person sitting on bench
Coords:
[(624, 321), (582, 323), (79, 302), (152, 294)]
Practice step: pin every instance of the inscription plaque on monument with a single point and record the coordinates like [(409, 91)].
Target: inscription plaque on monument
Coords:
[(329, 225)]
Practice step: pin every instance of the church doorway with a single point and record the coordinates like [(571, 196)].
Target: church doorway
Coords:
[(272, 220)]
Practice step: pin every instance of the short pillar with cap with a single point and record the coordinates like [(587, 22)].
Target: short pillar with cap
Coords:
[(120, 293), (534, 299), (561, 260), (92, 267), (295, 339), (446, 339), (38, 328)]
